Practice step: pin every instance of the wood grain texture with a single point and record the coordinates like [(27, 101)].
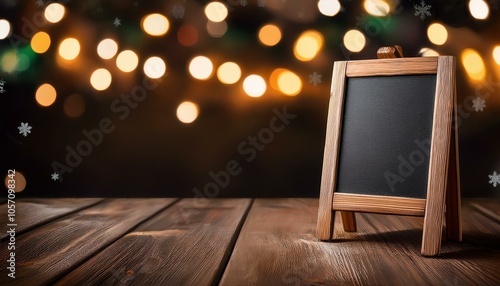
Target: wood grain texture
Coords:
[(49, 251), (396, 66), (277, 247), (348, 221), (332, 145), (379, 204), (440, 146), (390, 52), (187, 244), (31, 213)]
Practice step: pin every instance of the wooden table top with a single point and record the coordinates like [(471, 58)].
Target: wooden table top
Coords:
[(237, 242)]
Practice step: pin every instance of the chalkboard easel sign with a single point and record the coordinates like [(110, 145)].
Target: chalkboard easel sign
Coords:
[(390, 147)]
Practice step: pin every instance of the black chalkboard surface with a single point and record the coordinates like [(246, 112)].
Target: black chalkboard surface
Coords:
[(386, 133)]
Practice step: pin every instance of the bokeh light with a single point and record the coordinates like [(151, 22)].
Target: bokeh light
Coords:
[(54, 12), (187, 35), (201, 67), (229, 73), (154, 67), (4, 29), (308, 45), (473, 64), (107, 49), (216, 11), (40, 42), (100, 79), (216, 29), (354, 41), (437, 34), (269, 35), (479, 9), (329, 7), (496, 54), (74, 105), (46, 95), (155, 24), (127, 61), (254, 85), (9, 62), (69, 49), (377, 7), (187, 112), (19, 184), (23, 62), (289, 83), (427, 52), (273, 78)]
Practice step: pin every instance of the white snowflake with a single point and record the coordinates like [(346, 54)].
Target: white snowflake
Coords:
[(2, 83), (423, 10), (479, 104), (178, 11), (315, 78), (24, 129), (39, 3), (55, 176), (261, 3), (117, 22), (495, 179), (243, 3)]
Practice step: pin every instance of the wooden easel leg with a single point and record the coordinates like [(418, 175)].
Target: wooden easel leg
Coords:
[(453, 201), (348, 221), (324, 228)]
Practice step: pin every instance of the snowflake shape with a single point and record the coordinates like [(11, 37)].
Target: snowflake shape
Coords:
[(99, 10), (24, 129), (479, 104), (423, 10), (243, 3), (2, 83), (261, 3), (55, 176), (117, 22), (315, 78), (39, 3), (494, 179), (178, 11)]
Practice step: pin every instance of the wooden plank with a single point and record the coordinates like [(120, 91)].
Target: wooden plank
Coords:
[(395, 66), (438, 165), (31, 213), (184, 245), (331, 153), (47, 252), (276, 246), (379, 204)]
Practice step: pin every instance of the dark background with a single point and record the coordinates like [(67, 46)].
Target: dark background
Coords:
[(152, 154)]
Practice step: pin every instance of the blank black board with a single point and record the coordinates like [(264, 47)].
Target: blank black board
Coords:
[(385, 136)]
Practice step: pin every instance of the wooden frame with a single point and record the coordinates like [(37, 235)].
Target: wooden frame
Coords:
[(443, 177)]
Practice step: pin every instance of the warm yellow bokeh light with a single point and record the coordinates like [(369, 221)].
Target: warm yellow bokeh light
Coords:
[(46, 95), (496, 54), (107, 49), (377, 7), (54, 12), (308, 45), (69, 49), (9, 62), (354, 41), (155, 24), (40, 42), (289, 83), (18, 183), (127, 61), (329, 7), (427, 52), (273, 78), (154, 67), (473, 64), (479, 9), (201, 67), (229, 73), (269, 35), (74, 105), (4, 29), (254, 85), (216, 11), (100, 79), (437, 34), (187, 112)]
